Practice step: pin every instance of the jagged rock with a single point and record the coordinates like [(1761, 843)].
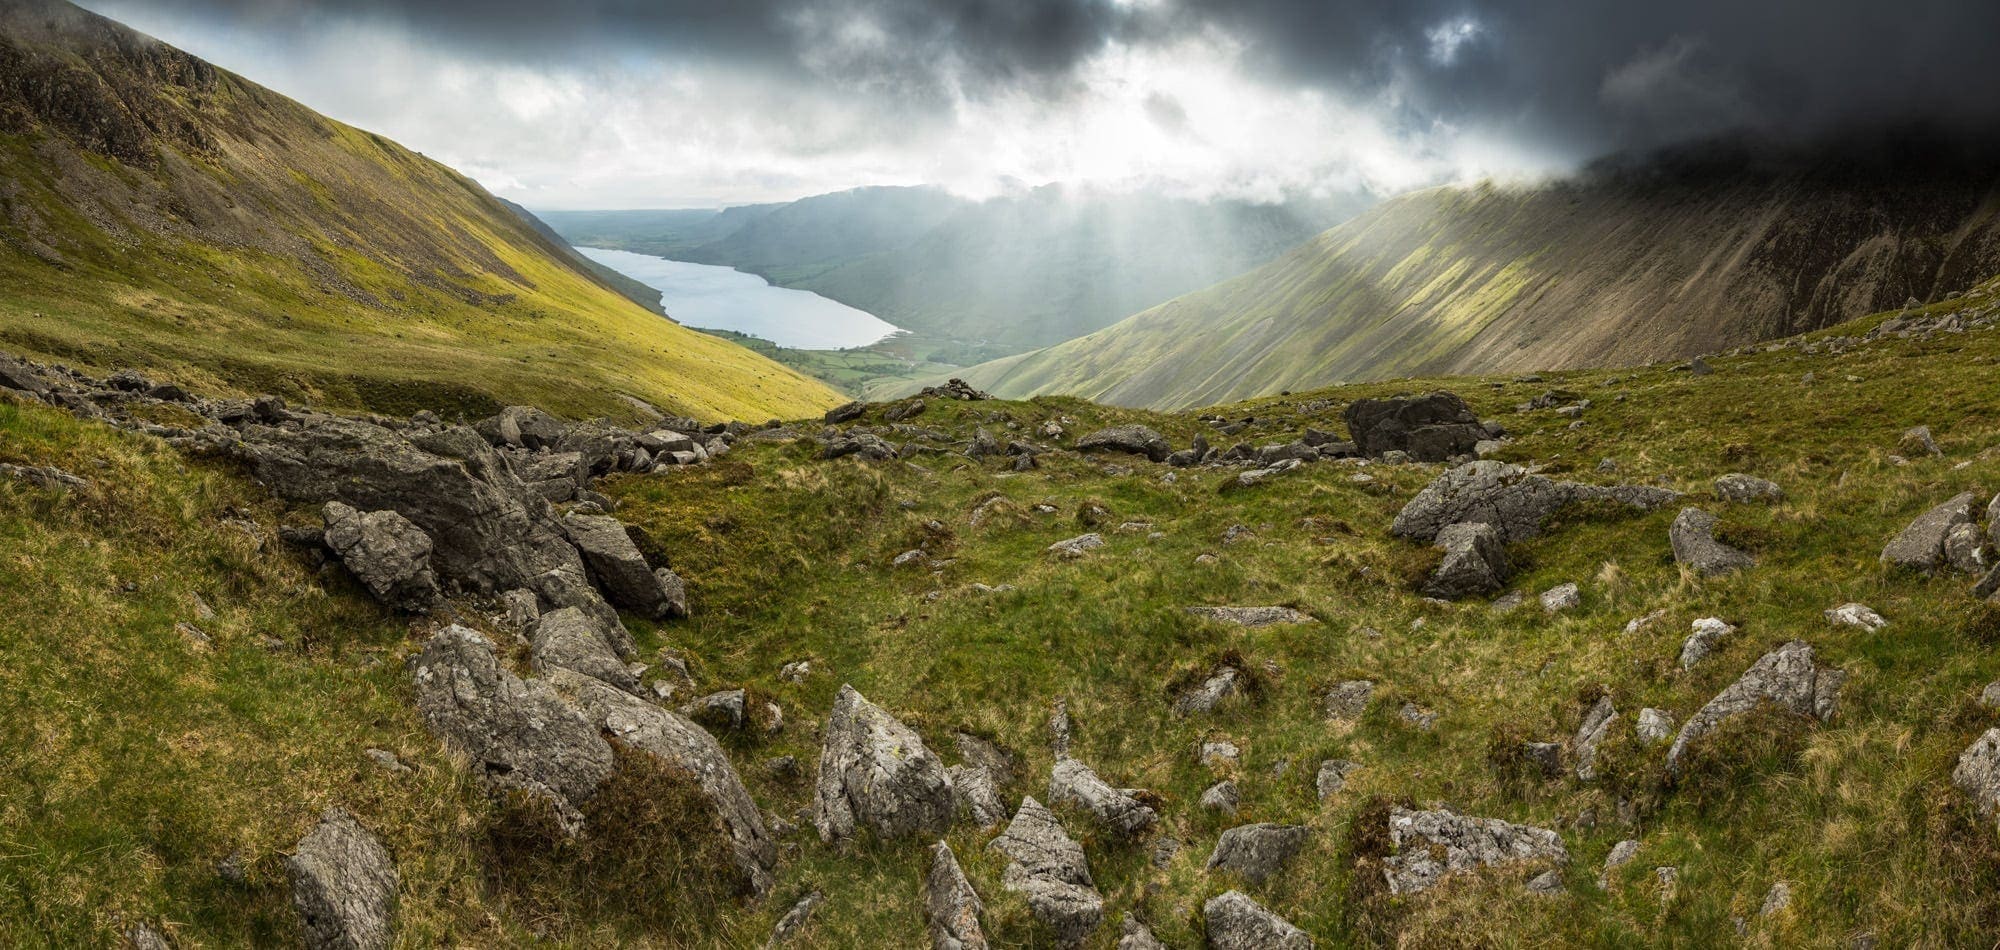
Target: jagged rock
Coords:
[(1137, 936), (1132, 440), (386, 552), (955, 389), (1747, 489), (1047, 868), (1788, 677), (1219, 686), (1073, 783), (1654, 726), (1347, 699), (875, 772), (907, 410), (1251, 616), (1621, 854), (617, 566), (985, 754), (1076, 547), (1561, 597), (1332, 777), (1695, 547), (688, 748), (46, 477), (1514, 503), (1217, 753), (1918, 441), (18, 375), (725, 710), (951, 907), (518, 733), (520, 610), (983, 445), (489, 532), (1235, 922), (570, 588), (1920, 546), (569, 639), (1596, 725), (1432, 428), (556, 477), (343, 885), (846, 413), (1475, 562), (795, 920), (1978, 772), (1856, 615), (1965, 549), (1222, 797), (522, 427), (1709, 632), (864, 444), (1257, 851), (1428, 845), (972, 787)]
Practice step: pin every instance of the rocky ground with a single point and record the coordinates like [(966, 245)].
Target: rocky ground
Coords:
[(1687, 654)]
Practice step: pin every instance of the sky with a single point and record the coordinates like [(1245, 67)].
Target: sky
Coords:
[(706, 103)]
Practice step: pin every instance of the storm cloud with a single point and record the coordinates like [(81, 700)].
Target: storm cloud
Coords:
[(627, 101)]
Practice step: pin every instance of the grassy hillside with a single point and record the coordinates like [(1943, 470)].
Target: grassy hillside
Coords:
[(168, 215), (1677, 255), (143, 758)]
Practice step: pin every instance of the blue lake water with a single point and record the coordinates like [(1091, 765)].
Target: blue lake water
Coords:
[(723, 298)]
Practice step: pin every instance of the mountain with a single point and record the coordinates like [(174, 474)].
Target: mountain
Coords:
[(1687, 252), (168, 215), (1019, 271), (633, 290)]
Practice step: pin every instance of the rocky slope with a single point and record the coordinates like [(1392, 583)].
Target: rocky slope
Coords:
[(162, 213), (1683, 253), (1027, 673)]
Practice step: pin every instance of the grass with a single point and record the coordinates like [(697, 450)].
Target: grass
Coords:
[(148, 760)]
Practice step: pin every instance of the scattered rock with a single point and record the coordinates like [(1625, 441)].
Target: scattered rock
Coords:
[(1638, 624), (1137, 936), (1856, 615), (1132, 440), (1596, 725), (1428, 845), (387, 553), (1417, 716), (343, 885), (1251, 616), (1475, 562), (1621, 854), (386, 761), (1920, 546), (1562, 597), (1222, 797), (951, 906), (1776, 899), (1709, 632), (1047, 868), (985, 754), (1073, 783), (1918, 441), (1219, 753), (1965, 549), (795, 920), (1077, 547), (796, 671), (1547, 882), (1788, 677), (46, 477), (1332, 777), (1347, 700), (973, 789), (1990, 696), (1430, 428), (1514, 503), (726, 710), (1235, 922), (1654, 726), (1747, 490), (1219, 686), (1695, 547), (1257, 851), (875, 771)]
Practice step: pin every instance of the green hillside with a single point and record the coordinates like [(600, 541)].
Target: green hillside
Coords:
[(165, 214), (1664, 258)]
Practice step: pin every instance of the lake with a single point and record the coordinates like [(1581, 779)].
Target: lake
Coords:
[(706, 296)]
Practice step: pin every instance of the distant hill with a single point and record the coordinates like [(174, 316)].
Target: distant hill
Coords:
[(166, 214), (1024, 271), (1682, 253)]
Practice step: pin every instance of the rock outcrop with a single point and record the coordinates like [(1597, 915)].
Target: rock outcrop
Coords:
[(1431, 428), (876, 773), (569, 639), (1978, 773), (618, 568), (1920, 547), (1428, 845), (1475, 562), (1132, 440), (1258, 851), (1788, 677), (1695, 548), (1073, 783), (1596, 725), (1047, 868), (386, 552), (344, 886), (1514, 503)]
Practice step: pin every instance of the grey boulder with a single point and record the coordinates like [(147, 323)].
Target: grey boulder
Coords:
[(951, 907), (1235, 922), (875, 772), (1259, 850), (343, 885), (1426, 846), (1475, 562), (1920, 547), (1047, 868), (1073, 783), (617, 566), (387, 553), (1788, 677), (1435, 427), (1596, 725), (1978, 772), (1747, 489), (569, 639), (1513, 502), (1695, 548), (973, 788), (1132, 440)]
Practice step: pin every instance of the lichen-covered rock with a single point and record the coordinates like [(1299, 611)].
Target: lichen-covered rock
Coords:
[(1235, 922), (1332, 777), (344, 886), (951, 907), (1434, 427), (1562, 597), (1219, 686), (518, 733), (1621, 854), (1222, 797), (1596, 725), (1514, 503), (1135, 935), (1747, 489), (1073, 783), (1077, 547), (1047, 868), (1978, 772), (875, 772), (1428, 845), (973, 788), (689, 749), (1259, 850), (1707, 637), (1654, 726), (386, 552), (1347, 700), (522, 427), (1856, 615), (1695, 548), (1475, 562), (1920, 547), (1965, 549), (616, 564), (1789, 677), (569, 639), (1132, 440)]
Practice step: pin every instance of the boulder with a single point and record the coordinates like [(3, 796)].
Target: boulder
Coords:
[(1856, 615), (1475, 562), (862, 444), (973, 789), (985, 754), (1131, 440), (795, 920), (1654, 726), (1709, 632), (1747, 490), (846, 413), (1221, 797), (1965, 549), (1347, 699), (1047, 868), (1621, 854), (18, 375), (1920, 547), (1431, 428), (689, 749), (1258, 851), (617, 566), (1251, 616), (1235, 922), (1918, 441), (1788, 677), (1596, 725), (1077, 547), (569, 587), (569, 639), (951, 907), (518, 734), (1332, 777), (522, 427), (1135, 935), (1428, 845), (1695, 548), (555, 476), (1219, 686), (1514, 503), (386, 552), (726, 710), (343, 885), (1561, 597), (1073, 783), (875, 772), (1978, 772)]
